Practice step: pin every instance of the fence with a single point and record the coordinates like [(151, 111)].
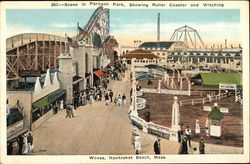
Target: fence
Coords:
[(167, 91), (159, 130), (210, 98)]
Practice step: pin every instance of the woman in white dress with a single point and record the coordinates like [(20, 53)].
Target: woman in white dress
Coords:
[(25, 147), (137, 143), (61, 104), (197, 128)]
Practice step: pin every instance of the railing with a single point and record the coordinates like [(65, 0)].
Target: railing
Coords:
[(151, 128), (201, 93), (167, 91), (203, 100), (92, 18), (137, 121), (158, 130)]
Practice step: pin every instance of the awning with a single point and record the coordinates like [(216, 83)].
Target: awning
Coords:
[(17, 134), (50, 98), (98, 73)]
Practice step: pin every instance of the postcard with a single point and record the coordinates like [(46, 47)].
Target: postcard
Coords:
[(124, 82)]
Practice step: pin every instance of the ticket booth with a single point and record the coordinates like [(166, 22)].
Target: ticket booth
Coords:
[(215, 117)]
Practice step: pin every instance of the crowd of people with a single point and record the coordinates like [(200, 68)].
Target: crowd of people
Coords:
[(184, 138), (137, 139), (21, 145), (99, 92)]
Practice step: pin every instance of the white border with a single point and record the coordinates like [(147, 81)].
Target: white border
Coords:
[(244, 11)]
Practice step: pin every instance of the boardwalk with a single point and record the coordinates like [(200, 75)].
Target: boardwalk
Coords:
[(100, 129)]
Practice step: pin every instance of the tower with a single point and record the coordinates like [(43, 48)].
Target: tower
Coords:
[(65, 75), (158, 31)]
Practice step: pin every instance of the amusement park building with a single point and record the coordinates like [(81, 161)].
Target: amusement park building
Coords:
[(177, 54), (140, 57)]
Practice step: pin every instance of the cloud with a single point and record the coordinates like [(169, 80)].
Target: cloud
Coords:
[(12, 30), (62, 25)]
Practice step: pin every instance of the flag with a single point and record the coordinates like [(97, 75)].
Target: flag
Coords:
[(71, 42), (82, 31)]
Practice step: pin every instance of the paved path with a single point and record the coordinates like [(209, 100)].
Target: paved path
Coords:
[(100, 129)]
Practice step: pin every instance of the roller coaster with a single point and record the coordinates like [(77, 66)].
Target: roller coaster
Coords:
[(39, 51)]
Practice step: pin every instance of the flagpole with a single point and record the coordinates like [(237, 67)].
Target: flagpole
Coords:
[(65, 43), (77, 32)]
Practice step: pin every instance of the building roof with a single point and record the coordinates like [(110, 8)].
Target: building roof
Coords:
[(215, 114), (139, 54), (50, 98), (98, 73), (214, 79), (154, 44), (138, 51), (28, 83)]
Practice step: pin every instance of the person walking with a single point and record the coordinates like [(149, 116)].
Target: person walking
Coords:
[(115, 101), (20, 143), (188, 134), (157, 146), (134, 133), (137, 144), (68, 111), (61, 104), (111, 95), (100, 95), (83, 98), (25, 147), (197, 129), (180, 131), (202, 146), (92, 100), (123, 99), (206, 128), (183, 145), (106, 98), (15, 148), (119, 100), (30, 142), (72, 110)]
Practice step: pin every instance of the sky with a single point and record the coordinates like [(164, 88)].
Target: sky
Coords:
[(127, 25)]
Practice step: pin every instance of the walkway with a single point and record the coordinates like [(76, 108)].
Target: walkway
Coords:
[(100, 129)]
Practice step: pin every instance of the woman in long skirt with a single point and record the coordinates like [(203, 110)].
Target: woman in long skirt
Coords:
[(137, 144), (25, 148), (61, 104)]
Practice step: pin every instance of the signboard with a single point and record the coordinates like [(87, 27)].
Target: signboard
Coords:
[(215, 130), (223, 110), (207, 108), (29, 73), (228, 86)]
